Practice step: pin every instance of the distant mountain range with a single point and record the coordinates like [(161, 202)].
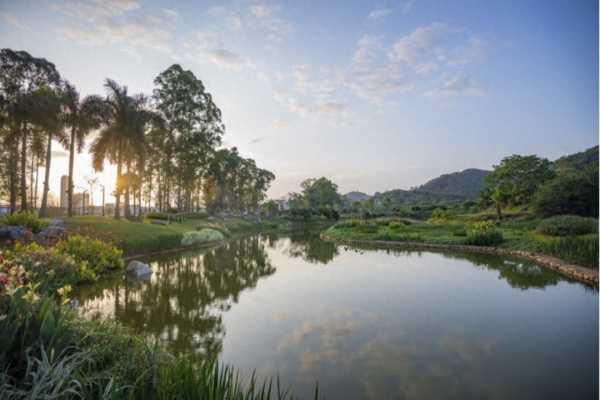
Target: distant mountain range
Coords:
[(465, 185)]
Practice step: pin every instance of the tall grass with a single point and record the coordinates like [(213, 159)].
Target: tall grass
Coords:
[(582, 250), (48, 352)]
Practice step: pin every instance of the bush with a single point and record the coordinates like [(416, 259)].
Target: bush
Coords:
[(201, 236), (367, 228), (45, 270), (223, 229), (158, 215), (329, 213), (580, 250), (29, 220), (100, 257), (484, 233), (568, 225)]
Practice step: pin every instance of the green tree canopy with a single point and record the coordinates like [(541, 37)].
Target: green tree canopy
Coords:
[(515, 180), (320, 193)]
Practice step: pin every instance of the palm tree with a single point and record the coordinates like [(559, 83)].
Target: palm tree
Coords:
[(123, 134), (47, 115), (82, 117)]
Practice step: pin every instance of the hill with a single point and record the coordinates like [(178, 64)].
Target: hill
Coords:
[(577, 161), (465, 184), (352, 197)]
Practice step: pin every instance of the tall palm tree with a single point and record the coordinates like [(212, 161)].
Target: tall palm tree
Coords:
[(123, 134), (82, 117), (47, 114)]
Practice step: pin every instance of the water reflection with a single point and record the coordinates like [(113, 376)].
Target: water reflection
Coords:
[(184, 301), (373, 323)]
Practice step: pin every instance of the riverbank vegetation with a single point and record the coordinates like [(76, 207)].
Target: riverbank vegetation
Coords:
[(526, 203)]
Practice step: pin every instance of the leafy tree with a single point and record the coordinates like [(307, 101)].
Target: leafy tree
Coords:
[(20, 76), (320, 193), (515, 180), (572, 193)]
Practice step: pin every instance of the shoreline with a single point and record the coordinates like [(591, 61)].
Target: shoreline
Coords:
[(581, 274)]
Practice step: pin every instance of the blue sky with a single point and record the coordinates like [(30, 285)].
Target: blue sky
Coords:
[(374, 95)]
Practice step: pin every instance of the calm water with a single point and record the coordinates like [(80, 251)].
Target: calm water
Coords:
[(369, 324)]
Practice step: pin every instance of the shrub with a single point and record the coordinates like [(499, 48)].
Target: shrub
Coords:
[(439, 215), (223, 229), (46, 269), (573, 193), (29, 220), (203, 235), (484, 233), (158, 215), (568, 225), (580, 250), (100, 257)]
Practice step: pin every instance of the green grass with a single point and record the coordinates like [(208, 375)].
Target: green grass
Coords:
[(143, 237), (518, 234)]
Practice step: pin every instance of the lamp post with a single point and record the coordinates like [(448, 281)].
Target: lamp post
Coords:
[(92, 181)]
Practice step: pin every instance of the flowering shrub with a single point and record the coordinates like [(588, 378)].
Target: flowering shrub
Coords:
[(100, 257), (41, 270), (484, 233)]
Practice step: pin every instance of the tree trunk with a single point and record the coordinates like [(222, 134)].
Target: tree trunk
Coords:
[(13, 162), (31, 181), (127, 191), (119, 178), (35, 192), (499, 211), (24, 168), (71, 164), (44, 206)]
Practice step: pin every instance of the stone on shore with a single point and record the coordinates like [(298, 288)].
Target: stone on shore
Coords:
[(138, 270)]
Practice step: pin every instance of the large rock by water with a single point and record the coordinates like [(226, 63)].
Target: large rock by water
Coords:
[(138, 270)]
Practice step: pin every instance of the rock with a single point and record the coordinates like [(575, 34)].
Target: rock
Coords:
[(56, 222), (15, 233), (139, 270), (52, 232)]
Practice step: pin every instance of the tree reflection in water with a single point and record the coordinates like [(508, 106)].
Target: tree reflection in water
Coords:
[(184, 301)]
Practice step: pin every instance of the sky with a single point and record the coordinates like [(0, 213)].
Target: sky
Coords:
[(375, 95)]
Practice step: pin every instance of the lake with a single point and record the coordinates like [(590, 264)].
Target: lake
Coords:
[(368, 323)]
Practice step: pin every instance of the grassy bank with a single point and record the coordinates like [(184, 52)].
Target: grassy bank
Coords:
[(48, 352), (143, 237), (521, 233)]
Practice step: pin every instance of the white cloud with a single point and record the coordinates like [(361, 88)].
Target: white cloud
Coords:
[(91, 10), (143, 31), (261, 10), (421, 49), (366, 49), (112, 22), (12, 20), (227, 59), (456, 86), (170, 13), (379, 13), (206, 46)]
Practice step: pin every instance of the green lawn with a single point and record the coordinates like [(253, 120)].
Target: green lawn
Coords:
[(144, 237)]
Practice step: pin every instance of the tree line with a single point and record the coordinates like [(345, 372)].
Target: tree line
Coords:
[(166, 146)]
